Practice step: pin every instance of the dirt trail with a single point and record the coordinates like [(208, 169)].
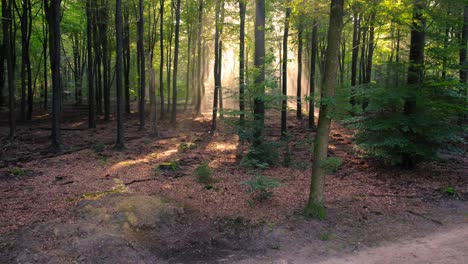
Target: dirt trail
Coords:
[(450, 246)]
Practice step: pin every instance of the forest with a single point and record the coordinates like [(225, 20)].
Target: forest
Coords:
[(233, 131)]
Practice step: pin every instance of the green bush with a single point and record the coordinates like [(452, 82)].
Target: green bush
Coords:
[(331, 165), (260, 186), (261, 157), (203, 173), (16, 171), (99, 147), (386, 133)]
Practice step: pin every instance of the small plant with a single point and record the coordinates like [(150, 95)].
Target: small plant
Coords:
[(99, 147), (203, 174), (262, 157), (261, 186), (171, 166), (16, 171), (331, 165), (287, 157), (185, 147)]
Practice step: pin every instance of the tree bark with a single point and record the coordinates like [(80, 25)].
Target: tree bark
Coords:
[(299, 74), (141, 27), (161, 58), (52, 8), (118, 74), (217, 80), (316, 205), (464, 47), (127, 55), (284, 100), (7, 32), (242, 11), (89, 41), (176, 62), (259, 63), (313, 61)]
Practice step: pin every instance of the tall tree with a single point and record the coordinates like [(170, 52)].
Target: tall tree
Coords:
[(242, 12), (52, 10), (176, 62), (89, 43), (217, 77), (161, 56), (355, 55), (7, 32), (299, 72), (284, 71), (316, 205), (464, 47), (259, 63), (126, 56), (313, 61), (141, 28), (118, 75)]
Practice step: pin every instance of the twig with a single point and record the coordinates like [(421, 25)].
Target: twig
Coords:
[(425, 217), (141, 180)]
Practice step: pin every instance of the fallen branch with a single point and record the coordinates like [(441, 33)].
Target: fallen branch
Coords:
[(140, 180), (425, 217)]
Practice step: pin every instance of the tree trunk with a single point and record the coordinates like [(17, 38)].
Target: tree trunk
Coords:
[(89, 41), (316, 204), (284, 101), (44, 50), (141, 27), (118, 73), (299, 74), (217, 80), (103, 28), (416, 63), (187, 74), (463, 47), (126, 59), (313, 61), (161, 54), (259, 63), (242, 11), (220, 64), (370, 57), (7, 32), (53, 13), (176, 62)]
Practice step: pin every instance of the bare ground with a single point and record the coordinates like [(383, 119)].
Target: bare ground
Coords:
[(369, 205)]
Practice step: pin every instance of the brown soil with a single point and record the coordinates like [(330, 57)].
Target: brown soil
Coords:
[(368, 203)]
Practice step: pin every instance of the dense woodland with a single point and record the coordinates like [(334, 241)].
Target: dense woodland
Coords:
[(394, 71)]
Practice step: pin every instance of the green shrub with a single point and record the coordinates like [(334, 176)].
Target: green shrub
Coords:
[(16, 171), (168, 166), (99, 147), (386, 133), (261, 157), (185, 147), (331, 165), (203, 173), (261, 186)]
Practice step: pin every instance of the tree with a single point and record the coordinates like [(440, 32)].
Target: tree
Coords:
[(6, 25), (52, 10), (217, 76), (141, 27), (316, 205), (161, 54), (299, 71), (176, 62), (242, 11), (118, 72), (89, 43), (259, 63), (313, 61), (284, 101)]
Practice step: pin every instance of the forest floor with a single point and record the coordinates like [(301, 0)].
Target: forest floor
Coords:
[(95, 204)]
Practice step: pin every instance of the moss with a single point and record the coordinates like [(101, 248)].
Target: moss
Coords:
[(16, 171), (168, 166), (316, 211), (185, 147)]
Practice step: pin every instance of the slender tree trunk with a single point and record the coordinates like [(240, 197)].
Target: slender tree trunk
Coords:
[(464, 47), (217, 80), (370, 58), (313, 62), (103, 28), (176, 62), (259, 63), (242, 11), (141, 27), (45, 33), (3, 51), (53, 13), (127, 55), (299, 74), (187, 74), (169, 61), (316, 203), (89, 41), (220, 64), (7, 32), (118, 74), (161, 58), (284, 101)]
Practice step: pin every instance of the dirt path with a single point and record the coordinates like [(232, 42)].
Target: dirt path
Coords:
[(450, 246)]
